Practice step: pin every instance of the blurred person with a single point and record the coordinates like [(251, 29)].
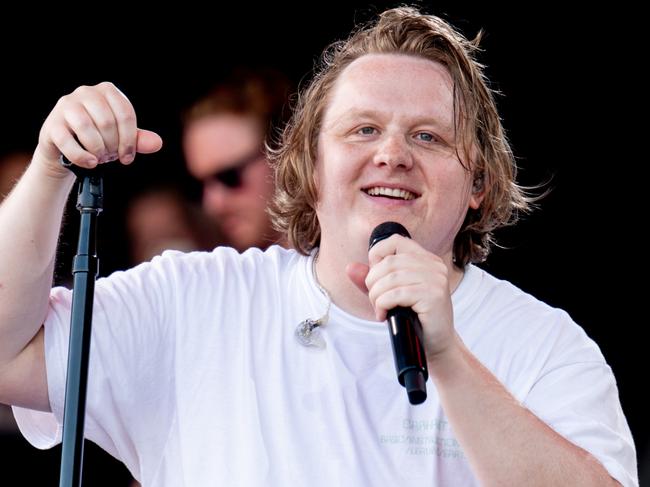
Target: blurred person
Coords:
[(223, 141), (12, 166), (201, 373), (160, 219)]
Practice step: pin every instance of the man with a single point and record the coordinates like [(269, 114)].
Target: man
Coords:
[(207, 384), (223, 141)]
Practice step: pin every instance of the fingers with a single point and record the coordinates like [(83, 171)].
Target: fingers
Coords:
[(95, 124), (357, 273), (404, 274), (383, 256), (404, 296), (394, 282), (148, 142), (92, 124), (395, 244), (124, 116), (64, 142)]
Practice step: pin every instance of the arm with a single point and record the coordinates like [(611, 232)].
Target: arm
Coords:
[(505, 443), (101, 120), (27, 245)]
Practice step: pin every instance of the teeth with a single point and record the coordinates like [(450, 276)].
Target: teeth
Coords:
[(392, 192)]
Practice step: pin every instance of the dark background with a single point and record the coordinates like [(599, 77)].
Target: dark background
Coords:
[(568, 105)]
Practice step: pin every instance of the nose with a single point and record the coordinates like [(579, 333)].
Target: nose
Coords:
[(394, 152), (215, 199)]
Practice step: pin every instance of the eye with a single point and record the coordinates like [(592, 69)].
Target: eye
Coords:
[(367, 131), (426, 137)]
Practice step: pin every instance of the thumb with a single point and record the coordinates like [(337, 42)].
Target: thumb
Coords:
[(357, 273), (148, 142)]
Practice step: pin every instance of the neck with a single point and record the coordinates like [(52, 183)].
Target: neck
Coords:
[(330, 273)]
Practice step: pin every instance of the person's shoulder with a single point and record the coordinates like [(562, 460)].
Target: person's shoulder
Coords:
[(173, 261), (274, 253), (205, 271), (530, 318), (273, 257), (222, 260), (501, 293)]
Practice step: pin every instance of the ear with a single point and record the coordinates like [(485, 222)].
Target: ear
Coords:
[(478, 192)]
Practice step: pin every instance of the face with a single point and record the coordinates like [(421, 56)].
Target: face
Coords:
[(156, 222), (221, 142), (386, 152)]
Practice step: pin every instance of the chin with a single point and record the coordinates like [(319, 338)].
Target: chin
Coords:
[(378, 220), (244, 243)]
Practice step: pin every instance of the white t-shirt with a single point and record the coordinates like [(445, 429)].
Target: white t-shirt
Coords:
[(196, 378)]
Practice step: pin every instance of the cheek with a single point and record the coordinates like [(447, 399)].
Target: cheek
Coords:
[(338, 172), (333, 187), (450, 189), (339, 161), (259, 182), (455, 181)]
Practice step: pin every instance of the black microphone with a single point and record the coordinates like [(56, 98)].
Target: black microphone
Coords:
[(405, 332)]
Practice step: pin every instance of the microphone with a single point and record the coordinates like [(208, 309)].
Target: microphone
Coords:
[(405, 332)]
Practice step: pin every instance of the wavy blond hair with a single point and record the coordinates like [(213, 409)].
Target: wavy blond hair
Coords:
[(404, 30)]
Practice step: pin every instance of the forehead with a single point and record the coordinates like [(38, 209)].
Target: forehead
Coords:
[(400, 83), (224, 130), (216, 141)]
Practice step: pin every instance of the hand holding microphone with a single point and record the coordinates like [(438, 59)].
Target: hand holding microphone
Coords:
[(405, 332), (406, 285)]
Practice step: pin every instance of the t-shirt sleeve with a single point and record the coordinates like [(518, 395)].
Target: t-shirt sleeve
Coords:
[(576, 394), (130, 399)]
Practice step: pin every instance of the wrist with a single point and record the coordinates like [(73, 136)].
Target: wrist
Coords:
[(446, 364), (51, 168)]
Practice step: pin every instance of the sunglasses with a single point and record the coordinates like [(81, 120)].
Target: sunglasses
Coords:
[(232, 176)]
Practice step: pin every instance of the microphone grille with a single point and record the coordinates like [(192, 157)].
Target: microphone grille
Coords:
[(385, 230)]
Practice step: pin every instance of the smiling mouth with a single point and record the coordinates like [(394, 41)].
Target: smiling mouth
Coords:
[(392, 193)]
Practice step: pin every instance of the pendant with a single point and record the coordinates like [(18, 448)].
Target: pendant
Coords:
[(308, 334)]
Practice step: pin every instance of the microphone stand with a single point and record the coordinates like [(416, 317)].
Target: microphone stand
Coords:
[(85, 269)]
